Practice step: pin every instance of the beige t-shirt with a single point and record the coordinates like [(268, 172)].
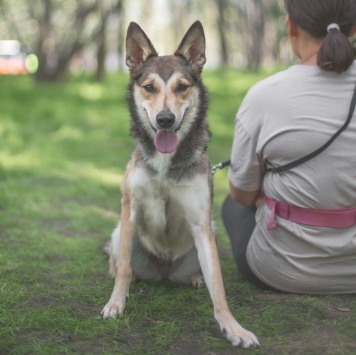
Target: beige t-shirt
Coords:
[(281, 119)]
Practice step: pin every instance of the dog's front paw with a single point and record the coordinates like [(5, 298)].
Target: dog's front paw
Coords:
[(234, 333), (112, 310), (241, 337)]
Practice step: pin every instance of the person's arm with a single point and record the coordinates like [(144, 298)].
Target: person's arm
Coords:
[(246, 198), (246, 168)]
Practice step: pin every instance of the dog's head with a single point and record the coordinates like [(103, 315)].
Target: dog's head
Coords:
[(165, 87)]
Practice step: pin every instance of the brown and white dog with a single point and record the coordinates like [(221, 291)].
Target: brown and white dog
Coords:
[(165, 229)]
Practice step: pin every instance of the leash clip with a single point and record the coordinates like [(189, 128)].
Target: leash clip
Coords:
[(221, 165)]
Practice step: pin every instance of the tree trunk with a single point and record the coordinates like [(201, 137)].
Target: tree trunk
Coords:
[(252, 27), (121, 35), (221, 23), (101, 54), (255, 48)]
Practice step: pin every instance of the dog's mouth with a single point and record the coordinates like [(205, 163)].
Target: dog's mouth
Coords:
[(166, 140)]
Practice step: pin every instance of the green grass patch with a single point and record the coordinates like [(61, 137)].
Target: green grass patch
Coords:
[(63, 151)]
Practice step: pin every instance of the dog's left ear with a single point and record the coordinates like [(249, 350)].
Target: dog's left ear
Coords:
[(192, 47)]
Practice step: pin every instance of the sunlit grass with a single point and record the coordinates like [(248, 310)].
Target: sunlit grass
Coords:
[(63, 152)]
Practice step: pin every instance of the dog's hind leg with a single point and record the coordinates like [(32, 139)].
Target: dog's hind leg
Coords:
[(111, 248), (197, 280), (107, 249), (142, 267), (187, 270)]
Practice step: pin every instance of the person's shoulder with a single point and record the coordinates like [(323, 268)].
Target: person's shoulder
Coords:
[(351, 70), (269, 87), (274, 81)]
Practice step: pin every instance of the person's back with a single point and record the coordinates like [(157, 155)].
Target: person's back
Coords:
[(292, 120), (284, 118)]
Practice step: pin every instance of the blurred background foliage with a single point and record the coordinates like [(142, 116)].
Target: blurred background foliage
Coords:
[(89, 35)]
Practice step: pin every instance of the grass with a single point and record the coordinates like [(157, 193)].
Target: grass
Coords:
[(63, 150)]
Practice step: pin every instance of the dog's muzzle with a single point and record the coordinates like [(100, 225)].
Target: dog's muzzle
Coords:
[(166, 140)]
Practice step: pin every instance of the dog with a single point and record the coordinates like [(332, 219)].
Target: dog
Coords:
[(167, 191)]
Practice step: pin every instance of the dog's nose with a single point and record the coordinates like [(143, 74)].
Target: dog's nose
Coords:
[(165, 119)]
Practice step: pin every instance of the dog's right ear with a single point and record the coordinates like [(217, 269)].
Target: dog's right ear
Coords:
[(138, 47)]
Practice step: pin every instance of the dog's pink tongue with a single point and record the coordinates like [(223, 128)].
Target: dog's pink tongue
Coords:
[(166, 141)]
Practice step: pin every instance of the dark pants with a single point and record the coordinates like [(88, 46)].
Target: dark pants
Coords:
[(239, 224)]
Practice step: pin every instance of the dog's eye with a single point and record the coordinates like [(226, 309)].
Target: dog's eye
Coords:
[(182, 87), (149, 88)]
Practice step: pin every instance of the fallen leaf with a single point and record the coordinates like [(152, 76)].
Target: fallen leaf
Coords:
[(342, 309)]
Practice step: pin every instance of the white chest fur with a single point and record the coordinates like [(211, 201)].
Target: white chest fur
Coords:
[(163, 211)]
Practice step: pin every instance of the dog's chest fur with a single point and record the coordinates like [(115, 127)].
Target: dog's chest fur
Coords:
[(163, 211)]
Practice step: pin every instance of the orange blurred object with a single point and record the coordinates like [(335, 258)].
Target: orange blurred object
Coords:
[(12, 65), (12, 59)]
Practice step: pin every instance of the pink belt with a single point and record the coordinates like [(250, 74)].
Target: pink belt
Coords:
[(323, 218)]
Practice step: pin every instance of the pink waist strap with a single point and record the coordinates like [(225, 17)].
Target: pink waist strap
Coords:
[(323, 218)]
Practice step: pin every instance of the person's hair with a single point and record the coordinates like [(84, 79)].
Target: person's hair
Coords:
[(313, 16)]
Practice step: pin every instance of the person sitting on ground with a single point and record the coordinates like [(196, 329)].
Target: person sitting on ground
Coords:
[(295, 231)]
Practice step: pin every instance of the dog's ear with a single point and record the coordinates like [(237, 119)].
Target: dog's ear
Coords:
[(192, 47), (138, 47)]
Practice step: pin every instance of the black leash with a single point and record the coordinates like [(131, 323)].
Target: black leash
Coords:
[(322, 148), (309, 156)]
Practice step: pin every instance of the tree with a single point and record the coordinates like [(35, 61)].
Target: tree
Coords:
[(252, 31), (101, 39), (251, 25), (64, 28), (121, 34), (222, 6)]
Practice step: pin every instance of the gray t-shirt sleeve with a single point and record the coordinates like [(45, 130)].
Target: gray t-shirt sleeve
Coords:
[(245, 171)]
